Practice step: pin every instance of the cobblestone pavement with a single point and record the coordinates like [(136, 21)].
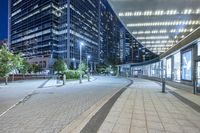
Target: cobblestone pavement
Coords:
[(142, 108), (49, 110), (16, 91)]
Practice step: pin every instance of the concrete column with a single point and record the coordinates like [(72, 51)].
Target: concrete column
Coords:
[(172, 68), (194, 68)]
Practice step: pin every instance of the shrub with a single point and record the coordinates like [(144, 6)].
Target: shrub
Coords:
[(73, 74)]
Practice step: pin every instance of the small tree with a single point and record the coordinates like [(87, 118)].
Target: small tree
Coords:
[(36, 68), (5, 63), (83, 66), (25, 67), (60, 67), (17, 63)]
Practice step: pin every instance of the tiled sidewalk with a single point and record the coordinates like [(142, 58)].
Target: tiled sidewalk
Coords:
[(142, 108), (186, 94)]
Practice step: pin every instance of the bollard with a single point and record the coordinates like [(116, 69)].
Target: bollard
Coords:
[(64, 79), (88, 75), (163, 86), (195, 86)]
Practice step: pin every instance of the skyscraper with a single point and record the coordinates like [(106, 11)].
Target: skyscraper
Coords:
[(45, 30), (34, 29), (109, 34)]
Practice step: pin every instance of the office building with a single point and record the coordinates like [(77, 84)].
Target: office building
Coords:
[(45, 30)]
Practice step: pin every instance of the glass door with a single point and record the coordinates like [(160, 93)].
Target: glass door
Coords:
[(198, 77)]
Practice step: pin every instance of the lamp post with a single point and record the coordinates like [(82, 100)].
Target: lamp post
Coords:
[(81, 44), (88, 73)]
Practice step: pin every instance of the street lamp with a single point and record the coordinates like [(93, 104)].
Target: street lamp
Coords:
[(88, 73), (81, 44)]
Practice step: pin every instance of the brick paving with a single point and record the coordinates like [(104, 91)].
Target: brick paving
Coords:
[(49, 110), (142, 108), (16, 91)]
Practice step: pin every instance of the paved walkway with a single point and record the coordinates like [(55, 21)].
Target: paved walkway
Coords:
[(186, 94), (49, 110), (142, 108), (15, 91)]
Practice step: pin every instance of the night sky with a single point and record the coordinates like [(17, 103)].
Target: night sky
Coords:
[(3, 19)]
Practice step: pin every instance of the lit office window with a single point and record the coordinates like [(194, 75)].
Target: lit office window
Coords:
[(198, 48), (177, 67), (186, 65), (169, 68)]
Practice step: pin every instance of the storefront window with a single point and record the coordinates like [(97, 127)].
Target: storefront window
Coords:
[(164, 67), (186, 65), (177, 67), (198, 74), (169, 68), (146, 70), (157, 69), (152, 70)]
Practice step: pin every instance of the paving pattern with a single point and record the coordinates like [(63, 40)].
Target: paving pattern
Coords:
[(49, 110), (142, 108), (15, 91)]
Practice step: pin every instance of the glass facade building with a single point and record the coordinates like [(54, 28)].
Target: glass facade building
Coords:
[(34, 29), (79, 23), (109, 34), (44, 30)]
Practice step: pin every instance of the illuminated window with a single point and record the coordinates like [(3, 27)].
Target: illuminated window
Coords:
[(169, 67), (177, 67), (186, 65)]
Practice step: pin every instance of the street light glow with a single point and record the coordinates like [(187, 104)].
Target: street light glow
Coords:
[(82, 43), (88, 56)]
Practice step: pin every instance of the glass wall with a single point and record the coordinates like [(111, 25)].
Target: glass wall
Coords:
[(186, 65), (153, 70), (164, 67), (198, 74), (169, 68), (137, 71), (146, 70), (177, 67), (198, 48)]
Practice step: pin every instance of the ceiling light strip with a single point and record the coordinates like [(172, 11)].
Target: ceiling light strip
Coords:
[(163, 31), (166, 23), (158, 12)]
